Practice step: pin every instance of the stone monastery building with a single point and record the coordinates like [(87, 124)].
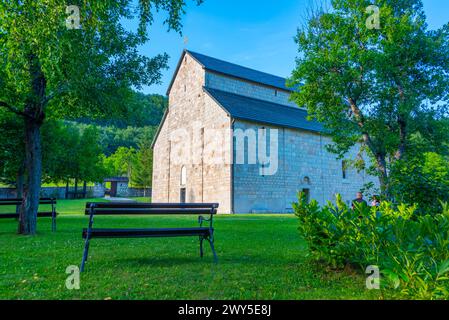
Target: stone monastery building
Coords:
[(230, 135)]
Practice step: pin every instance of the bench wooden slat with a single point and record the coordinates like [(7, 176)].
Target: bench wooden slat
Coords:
[(99, 205), (46, 214), (16, 215), (10, 203), (149, 211), (9, 215), (20, 199), (146, 233), (16, 202)]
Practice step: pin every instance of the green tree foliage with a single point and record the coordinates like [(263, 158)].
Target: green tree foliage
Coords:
[(73, 154), (68, 152), (370, 85), (423, 180), (112, 138), (136, 164), (120, 163), (12, 160), (49, 70), (89, 164), (139, 111), (142, 173)]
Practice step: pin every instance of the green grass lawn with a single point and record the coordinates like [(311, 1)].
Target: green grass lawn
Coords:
[(260, 257)]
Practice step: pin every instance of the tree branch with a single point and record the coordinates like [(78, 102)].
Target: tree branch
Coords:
[(361, 123), (402, 138), (59, 90), (356, 112), (402, 124), (13, 109)]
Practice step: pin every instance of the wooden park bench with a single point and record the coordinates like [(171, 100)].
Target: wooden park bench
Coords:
[(126, 208), (18, 202)]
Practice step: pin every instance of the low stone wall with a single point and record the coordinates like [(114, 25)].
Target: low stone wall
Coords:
[(7, 193), (139, 192), (53, 192), (96, 191)]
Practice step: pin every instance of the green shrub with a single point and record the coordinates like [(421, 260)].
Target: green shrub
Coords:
[(412, 251), (422, 179)]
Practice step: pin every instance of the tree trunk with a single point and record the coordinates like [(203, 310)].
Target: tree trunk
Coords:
[(34, 117), (84, 189), (402, 138), (33, 152), (19, 185), (383, 175)]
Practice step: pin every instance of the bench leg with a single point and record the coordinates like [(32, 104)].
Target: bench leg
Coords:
[(85, 253), (201, 246), (53, 224), (211, 242)]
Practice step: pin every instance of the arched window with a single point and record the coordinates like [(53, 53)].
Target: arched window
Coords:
[(306, 180), (183, 176)]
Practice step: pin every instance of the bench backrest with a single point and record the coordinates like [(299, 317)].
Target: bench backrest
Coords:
[(125, 208), (18, 201)]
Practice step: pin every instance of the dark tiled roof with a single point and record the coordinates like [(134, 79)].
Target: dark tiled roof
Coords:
[(250, 109), (237, 71)]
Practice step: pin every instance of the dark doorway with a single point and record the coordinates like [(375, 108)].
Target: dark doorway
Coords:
[(307, 194), (182, 197), (113, 192)]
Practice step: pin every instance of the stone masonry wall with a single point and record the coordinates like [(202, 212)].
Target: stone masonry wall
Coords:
[(248, 89), (301, 154), (191, 110)]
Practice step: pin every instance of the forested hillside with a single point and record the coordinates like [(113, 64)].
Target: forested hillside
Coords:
[(139, 117), (139, 110)]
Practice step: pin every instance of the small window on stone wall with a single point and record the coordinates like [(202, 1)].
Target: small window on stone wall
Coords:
[(183, 176), (276, 93), (344, 166)]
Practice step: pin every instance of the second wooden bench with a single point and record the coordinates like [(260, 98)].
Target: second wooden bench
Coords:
[(43, 201)]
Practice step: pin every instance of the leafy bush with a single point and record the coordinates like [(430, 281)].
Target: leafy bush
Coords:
[(412, 251), (422, 179)]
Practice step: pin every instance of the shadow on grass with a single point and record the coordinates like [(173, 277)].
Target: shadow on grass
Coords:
[(161, 262), (173, 261)]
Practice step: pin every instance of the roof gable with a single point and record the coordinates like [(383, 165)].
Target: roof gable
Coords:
[(237, 71), (232, 70)]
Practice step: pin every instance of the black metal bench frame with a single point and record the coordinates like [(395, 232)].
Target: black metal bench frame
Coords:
[(126, 208), (18, 202)]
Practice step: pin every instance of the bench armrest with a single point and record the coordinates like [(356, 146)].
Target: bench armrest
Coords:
[(201, 219)]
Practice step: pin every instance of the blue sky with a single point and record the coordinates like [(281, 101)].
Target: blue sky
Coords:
[(254, 33)]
